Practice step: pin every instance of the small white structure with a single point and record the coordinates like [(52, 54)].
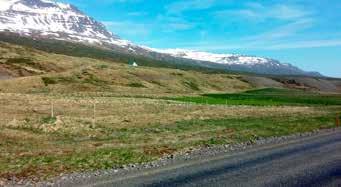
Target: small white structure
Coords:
[(133, 64)]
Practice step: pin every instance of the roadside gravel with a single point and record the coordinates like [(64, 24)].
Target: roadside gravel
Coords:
[(180, 157)]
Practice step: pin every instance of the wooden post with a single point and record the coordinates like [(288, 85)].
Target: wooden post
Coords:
[(94, 115), (337, 120), (52, 109)]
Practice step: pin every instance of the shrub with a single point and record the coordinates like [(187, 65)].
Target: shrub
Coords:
[(192, 85), (49, 80), (49, 120), (20, 61), (136, 85)]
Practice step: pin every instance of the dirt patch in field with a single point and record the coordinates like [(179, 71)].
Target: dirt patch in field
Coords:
[(308, 83), (260, 82), (302, 83), (4, 74)]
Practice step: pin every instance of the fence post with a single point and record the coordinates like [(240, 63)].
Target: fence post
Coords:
[(337, 120), (94, 114), (52, 109)]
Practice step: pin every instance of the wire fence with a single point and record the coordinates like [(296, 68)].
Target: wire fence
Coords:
[(16, 107)]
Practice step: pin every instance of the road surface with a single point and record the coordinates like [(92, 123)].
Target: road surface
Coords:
[(312, 161)]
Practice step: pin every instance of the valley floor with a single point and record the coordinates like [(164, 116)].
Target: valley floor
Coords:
[(44, 135)]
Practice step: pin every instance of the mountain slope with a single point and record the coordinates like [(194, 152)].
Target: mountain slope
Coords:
[(240, 62), (27, 70), (46, 19)]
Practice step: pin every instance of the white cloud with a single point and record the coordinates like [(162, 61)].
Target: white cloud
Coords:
[(293, 22), (306, 44), (127, 28), (186, 5), (263, 45), (179, 26), (137, 13), (260, 12), (173, 23), (283, 31)]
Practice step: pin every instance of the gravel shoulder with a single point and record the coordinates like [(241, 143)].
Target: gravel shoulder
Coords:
[(201, 159)]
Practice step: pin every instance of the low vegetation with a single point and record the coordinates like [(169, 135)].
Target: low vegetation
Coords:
[(265, 97), (136, 85), (104, 132)]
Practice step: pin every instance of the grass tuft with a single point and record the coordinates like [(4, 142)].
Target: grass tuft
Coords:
[(49, 120)]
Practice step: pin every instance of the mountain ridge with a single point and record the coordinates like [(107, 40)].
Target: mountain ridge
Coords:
[(48, 19)]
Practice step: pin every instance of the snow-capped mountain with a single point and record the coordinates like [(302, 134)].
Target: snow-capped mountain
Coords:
[(239, 62), (228, 59), (50, 19), (54, 20)]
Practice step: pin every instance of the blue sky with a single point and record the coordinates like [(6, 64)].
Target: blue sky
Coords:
[(306, 33)]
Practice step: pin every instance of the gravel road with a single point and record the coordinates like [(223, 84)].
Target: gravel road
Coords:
[(313, 160)]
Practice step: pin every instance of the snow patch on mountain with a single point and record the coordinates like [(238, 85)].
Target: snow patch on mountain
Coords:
[(215, 58), (5, 4)]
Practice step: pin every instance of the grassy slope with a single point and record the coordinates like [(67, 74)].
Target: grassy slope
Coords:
[(46, 72), (82, 50)]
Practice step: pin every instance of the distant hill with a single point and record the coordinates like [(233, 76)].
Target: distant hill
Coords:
[(28, 70)]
